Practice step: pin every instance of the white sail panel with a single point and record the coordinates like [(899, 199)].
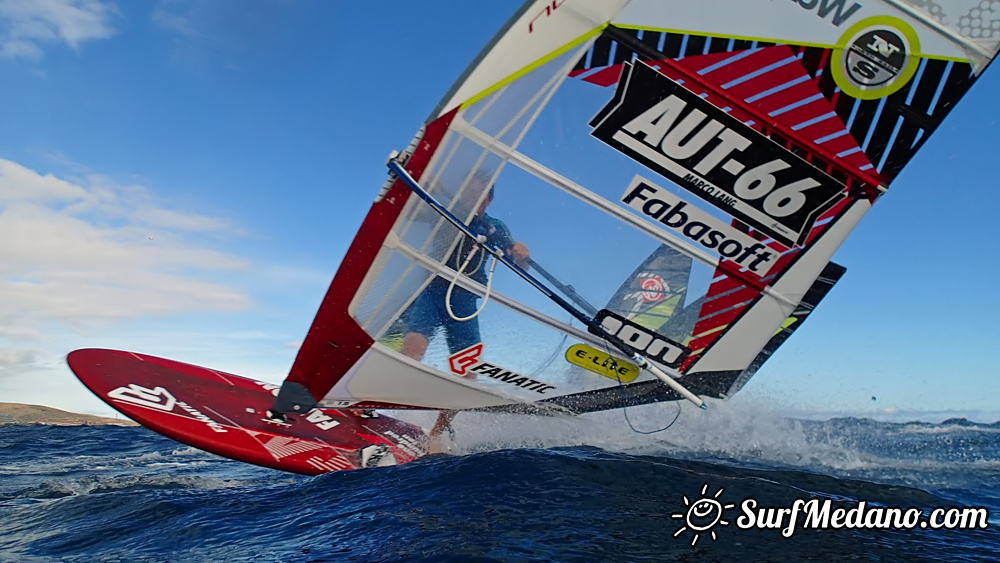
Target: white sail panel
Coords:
[(944, 29)]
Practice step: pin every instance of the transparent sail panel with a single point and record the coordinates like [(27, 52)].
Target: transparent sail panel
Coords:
[(523, 160)]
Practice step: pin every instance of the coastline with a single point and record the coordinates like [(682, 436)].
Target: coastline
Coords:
[(19, 414)]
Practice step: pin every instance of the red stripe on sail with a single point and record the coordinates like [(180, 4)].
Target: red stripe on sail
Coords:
[(335, 341), (749, 100)]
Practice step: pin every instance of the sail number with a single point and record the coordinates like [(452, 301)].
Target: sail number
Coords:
[(759, 182), (685, 138)]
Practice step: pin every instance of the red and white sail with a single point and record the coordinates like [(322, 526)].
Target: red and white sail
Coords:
[(691, 167)]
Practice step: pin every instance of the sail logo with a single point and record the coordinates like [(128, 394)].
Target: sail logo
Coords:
[(883, 47), (602, 363), (692, 223), (460, 361), (876, 57), (685, 138), (653, 287), (511, 377), (466, 363), (654, 346), (552, 6)]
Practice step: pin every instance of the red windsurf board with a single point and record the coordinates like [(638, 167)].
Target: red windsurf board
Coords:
[(224, 414)]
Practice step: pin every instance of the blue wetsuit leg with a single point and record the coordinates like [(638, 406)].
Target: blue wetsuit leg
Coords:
[(429, 312)]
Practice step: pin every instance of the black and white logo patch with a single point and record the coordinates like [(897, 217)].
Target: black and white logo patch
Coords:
[(649, 343), (877, 57), (703, 149)]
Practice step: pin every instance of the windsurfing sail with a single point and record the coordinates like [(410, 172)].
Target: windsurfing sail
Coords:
[(681, 173)]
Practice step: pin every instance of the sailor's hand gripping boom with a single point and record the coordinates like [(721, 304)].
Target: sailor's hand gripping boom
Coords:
[(593, 326)]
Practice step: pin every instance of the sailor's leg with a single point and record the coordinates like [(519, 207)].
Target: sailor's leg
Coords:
[(443, 422), (436, 442), (424, 318), (462, 334), (414, 345)]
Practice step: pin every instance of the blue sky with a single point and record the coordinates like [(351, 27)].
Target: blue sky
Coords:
[(182, 179)]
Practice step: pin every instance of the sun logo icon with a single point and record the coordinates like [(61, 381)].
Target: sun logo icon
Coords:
[(702, 515)]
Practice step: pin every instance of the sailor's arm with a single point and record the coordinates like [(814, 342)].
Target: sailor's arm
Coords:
[(520, 254), (502, 239)]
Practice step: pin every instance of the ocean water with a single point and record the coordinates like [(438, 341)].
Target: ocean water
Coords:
[(517, 489)]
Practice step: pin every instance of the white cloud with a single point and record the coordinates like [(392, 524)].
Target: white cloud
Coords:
[(86, 261), (18, 183), (184, 221), (9, 329), (75, 252), (27, 25)]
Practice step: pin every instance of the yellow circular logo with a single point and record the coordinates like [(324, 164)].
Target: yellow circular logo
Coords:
[(876, 57)]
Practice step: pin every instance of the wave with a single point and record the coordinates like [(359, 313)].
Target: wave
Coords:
[(522, 488), (743, 431), (952, 458), (93, 485), (557, 503)]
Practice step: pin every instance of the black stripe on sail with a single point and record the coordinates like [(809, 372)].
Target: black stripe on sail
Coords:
[(651, 38), (811, 59), (622, 54), (882, 129), (741, 44), (916, 118), (672, 46), (921, 117), (957, 83), (601, 52), (864, 120), (845, 104), (923, 95), (919, 120), (695, 45), (607, 51), (827, 85), (719, 45)]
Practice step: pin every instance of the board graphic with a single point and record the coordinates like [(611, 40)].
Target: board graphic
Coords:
[(225, 414)]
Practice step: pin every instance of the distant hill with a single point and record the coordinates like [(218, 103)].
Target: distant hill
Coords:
[(20, 414)]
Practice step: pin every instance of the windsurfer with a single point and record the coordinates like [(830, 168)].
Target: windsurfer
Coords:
[(429, 310)]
